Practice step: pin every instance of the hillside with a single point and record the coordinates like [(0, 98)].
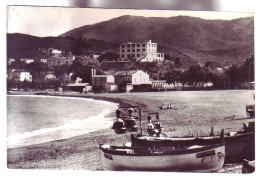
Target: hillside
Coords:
[(202, 40), (187, 39), (21, 45)]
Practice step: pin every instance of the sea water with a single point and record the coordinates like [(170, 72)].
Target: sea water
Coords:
[(38, 119)]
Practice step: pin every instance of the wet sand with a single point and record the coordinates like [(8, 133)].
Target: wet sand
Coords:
[(189, 116)]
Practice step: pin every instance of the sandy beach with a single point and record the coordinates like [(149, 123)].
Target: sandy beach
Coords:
[(194, 113)]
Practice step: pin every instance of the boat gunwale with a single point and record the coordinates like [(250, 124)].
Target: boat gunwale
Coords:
[(143, 151), (150, 138)]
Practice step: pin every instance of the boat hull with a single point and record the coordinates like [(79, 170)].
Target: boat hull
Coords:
[(248, 166), (201, 161)]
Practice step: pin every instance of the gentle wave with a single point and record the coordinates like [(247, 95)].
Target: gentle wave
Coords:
[(75, 128)]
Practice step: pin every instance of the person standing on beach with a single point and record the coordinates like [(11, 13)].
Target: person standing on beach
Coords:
[(130, 111), (150, 126), (118, 113)]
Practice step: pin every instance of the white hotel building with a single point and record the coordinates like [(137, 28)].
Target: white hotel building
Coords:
[(142, 51)]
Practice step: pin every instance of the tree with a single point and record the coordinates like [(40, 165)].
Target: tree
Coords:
[(173, 76), (236, 75), (17, 65), (11, 84), (61, 70), (82, 71), (25, 84), (217, 81), (167, 57), (194, 75), (248, 69), (54, 84), (35, 68), (109, 56)]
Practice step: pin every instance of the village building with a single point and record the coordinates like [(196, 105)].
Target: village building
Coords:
[(142, 51), (78, 86), (50, 76), (58, 58), (20, 75), (158, 84), (10, 61), (27, 60), (95, 56), (103, 83), (56, 52), (43, 60), (61, 60), (134, 77), (127, 80), (87, 60)]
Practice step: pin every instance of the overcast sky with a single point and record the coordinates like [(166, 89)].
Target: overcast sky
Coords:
[(53, 21)]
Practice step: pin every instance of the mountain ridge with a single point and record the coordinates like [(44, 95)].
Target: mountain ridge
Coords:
[(184, 32), (222, 41)]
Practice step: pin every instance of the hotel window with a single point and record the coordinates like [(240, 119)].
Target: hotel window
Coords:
[(128, 50), (128, 45), (138, 55), (138, 45), (123, 56), (143, 45), (143, 50), (133, 50), (123, 50), (123, 46), (138, 50)]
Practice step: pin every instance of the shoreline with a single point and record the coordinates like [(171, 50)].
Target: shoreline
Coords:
[(19, 156), (81, 152), (109, 114)]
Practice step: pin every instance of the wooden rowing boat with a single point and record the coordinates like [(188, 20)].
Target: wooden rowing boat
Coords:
[(239, 145), (192, 158)]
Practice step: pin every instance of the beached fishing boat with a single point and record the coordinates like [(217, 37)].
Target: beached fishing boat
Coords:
[(239, 145), (192, 158)]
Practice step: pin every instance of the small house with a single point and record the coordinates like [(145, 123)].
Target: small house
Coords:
[(128, 80), (80, 87), (103, 83), (20, 75)]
